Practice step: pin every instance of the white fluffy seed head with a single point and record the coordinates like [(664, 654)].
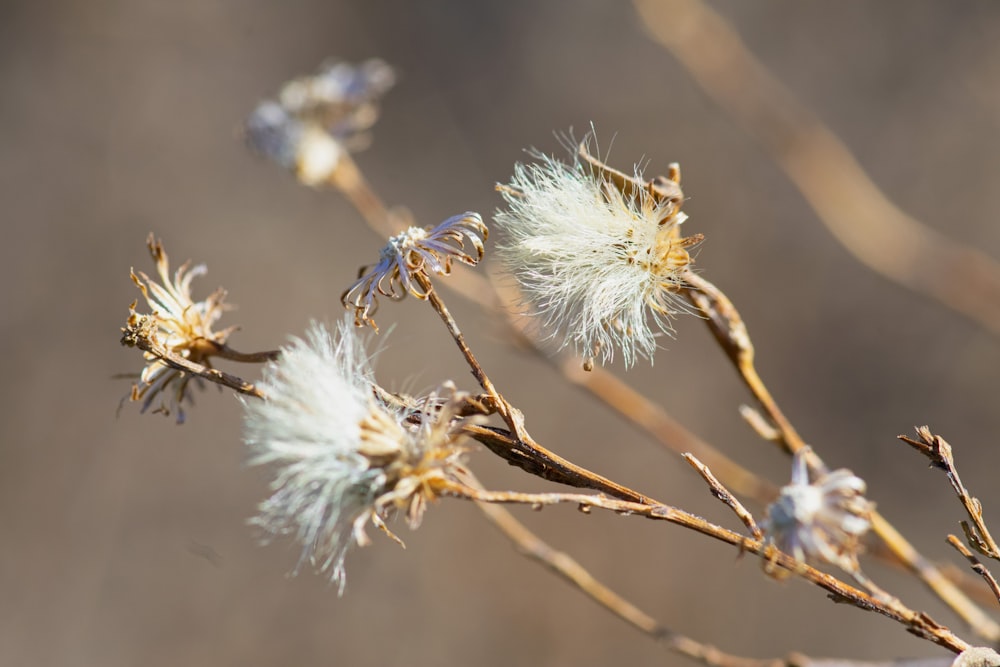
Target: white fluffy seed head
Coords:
[(347, 453), (318, 394), (598, 267)]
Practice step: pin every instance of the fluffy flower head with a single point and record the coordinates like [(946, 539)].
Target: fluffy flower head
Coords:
[(822, 519), (345, 457), (178, 324), (318, 118), (417, 250), (598, 254)]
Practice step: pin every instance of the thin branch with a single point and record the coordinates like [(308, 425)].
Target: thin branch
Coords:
[(723, 494), (917, 623), (347, 178), (976, 566), (667, 431), (731, 333), (759, 424), (142, 334), (651, 417), (475, 288), (567, 568), (935, 448), (503, 407), (517, 447), (226, 352), (853, 208), (540, 462)]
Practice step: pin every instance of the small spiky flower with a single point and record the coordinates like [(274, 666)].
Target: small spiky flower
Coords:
[(345, 457), (598, 254), (418, 250), (177, 324), (821, 519), (319, 118)]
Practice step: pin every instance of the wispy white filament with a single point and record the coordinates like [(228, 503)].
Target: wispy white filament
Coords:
[(582, 255), (318, 394)]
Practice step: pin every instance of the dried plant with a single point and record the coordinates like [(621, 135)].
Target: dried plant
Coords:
[(600, 266)]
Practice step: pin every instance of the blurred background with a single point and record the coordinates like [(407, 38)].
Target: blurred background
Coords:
[(123, 541)]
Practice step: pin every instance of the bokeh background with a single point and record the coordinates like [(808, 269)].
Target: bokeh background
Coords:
[(123, 539)]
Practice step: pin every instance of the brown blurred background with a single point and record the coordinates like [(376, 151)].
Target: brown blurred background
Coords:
[(123, 541)]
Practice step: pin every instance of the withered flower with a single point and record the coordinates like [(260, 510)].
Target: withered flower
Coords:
[(176, 324), (319, 118), (345, 457), (822, 519), (418, 250)]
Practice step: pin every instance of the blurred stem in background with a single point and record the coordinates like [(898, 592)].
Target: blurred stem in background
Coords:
[(859, 215)]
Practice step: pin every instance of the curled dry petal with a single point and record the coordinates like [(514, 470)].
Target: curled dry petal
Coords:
[(416, 250), (178, 324)]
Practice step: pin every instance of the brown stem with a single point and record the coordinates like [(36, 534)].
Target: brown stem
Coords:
[(667, 431), (937, 449), (652, 418), (226, 352), (861, 217), (351, 182), (518, 448), (724, 495), (567, 568), (729, 330), (140, 334), (917, 623), (536, 460), (976, 566), (484, 381)]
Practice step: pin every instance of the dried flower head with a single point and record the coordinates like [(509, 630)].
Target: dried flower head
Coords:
[(597, 253), (345, 457), (418, 250), (823, 519), (341, 97), (320, 117), (304, 148), (177, 324)]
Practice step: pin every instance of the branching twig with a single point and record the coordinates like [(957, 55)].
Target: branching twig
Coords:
[(723, 494), (731, 333), (977, 567), (536, 460), (917, 623), (674, 436), (568, 569), (519, 448), (935, 448), (141, 333)]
